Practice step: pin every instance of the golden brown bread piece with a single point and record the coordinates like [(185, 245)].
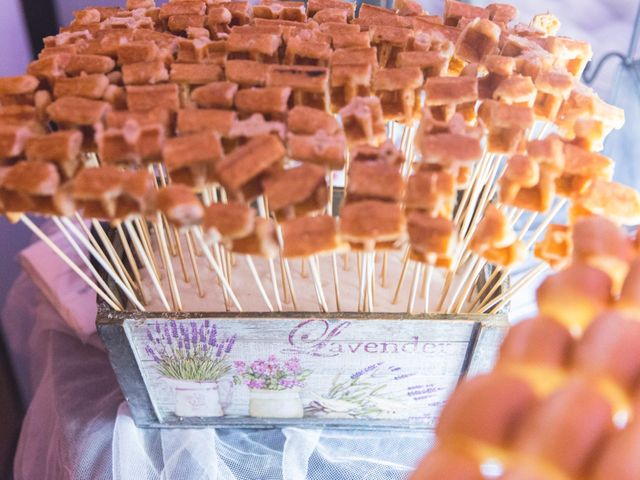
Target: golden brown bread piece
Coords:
[(110, 193), (145, 73), (243, 130), (247, 73), (131, 144), (30, 187), (487, 409), (137, 52), (228, 221), (267, 101), (20, 85), (215, 95), (363, 121), (374, 181), (61, 148), (444, 463), (195, 73), (76, 111), (296, 191), (13, 139), (371, 222), (348, 82), (320, 149), (556, 248), (306, 236), (479, 38), (567, 428), (248, 161), (180, 205), (192, 159), (433, 238), (575, 296), (261, 242), (307, 48), (386, 153), (140, 99), (155, 116), (610, 199), (600, 243), (197, 120), (397, 89), (432, 192), (304, 120), (454, 11)]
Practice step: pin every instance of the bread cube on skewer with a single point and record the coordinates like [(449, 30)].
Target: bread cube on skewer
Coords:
[(61, 148), (363, 121), (386, 153), (495, 240), (247, 162), (107, 193), (432, 192), (432, 239), (196, 120), (372, 224), (307, 236), (30, 187), (297, 191), (374, 181), (398, 90), (192, 159), (321, 148), (303, 120), (556, 248), (261, 242), (220, 94), (309, 85), (447, 95), (506, 125), (179, 205)]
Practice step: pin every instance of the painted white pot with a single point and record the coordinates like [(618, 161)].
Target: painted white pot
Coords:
[(276, 403), (196, 399)]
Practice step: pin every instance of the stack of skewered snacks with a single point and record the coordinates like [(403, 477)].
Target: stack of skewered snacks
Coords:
[(216, 131), (562, 401)]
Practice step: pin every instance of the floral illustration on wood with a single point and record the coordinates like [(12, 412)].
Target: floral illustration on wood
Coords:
[(274, 386), (194, 362)]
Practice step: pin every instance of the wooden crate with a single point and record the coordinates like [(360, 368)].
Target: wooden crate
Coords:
[(340, 370)]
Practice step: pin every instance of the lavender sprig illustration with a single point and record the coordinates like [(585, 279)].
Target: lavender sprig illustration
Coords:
[(271, 374), (191, 352), (358, 395)]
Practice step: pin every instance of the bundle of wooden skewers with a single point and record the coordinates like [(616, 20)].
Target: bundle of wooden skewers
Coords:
[(272, 136)]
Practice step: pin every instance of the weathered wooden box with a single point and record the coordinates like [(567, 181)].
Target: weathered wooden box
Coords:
[(306, 369)]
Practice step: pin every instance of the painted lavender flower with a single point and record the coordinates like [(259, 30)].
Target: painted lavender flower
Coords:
[(189, 352), (271, 374)]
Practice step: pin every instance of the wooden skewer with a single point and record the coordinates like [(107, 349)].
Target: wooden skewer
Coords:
[(362, 288), (256, 278), (471, 282), (503, 299), (132, 261), (173, 284), (303, 270), (113, 255), (427, 287), (147, 263), (370, 279), (462, 285), (336, 284), (116, 278), (403, 272), (287, 269), (274, 284), (315, 273), (500, 271), (216, 268), (145, 239), (383, 270), (183, 264), (86, 261), (194, 264), (414, 286), (63, 256)]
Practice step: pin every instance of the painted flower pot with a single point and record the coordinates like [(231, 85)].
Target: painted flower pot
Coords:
[(276, 403), (196, 399)]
